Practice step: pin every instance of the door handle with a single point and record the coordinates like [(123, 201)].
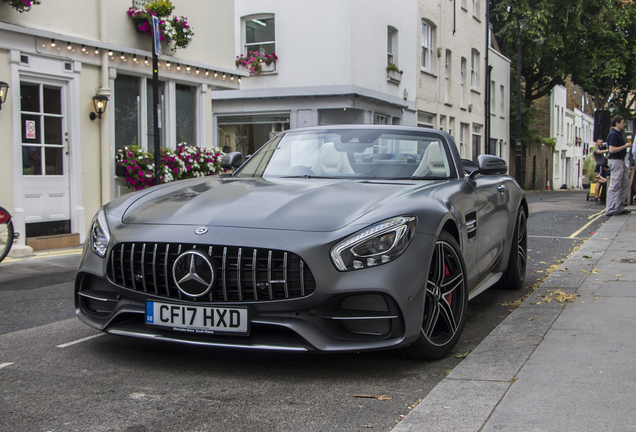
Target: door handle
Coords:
[(501, 188)]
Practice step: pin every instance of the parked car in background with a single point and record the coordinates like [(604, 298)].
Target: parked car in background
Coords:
[(336, 239)]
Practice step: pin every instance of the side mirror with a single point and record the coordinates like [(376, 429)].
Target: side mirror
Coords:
[(232, 160), (489, 164)]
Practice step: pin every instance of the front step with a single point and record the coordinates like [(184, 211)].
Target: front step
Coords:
[(53, 242)]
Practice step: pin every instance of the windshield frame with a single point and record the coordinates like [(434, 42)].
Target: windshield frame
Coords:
[(357, 137)]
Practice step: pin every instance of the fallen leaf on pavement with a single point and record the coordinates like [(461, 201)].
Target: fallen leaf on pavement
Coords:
[(378, 397)]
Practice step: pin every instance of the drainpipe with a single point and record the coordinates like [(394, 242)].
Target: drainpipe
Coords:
[(106, 175)]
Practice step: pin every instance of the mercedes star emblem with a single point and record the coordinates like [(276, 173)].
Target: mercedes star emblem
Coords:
[(193, 273), (200, 230)]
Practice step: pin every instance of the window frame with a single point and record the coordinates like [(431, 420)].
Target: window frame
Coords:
[(474, 70), (257, 17), (426, 51), (392, 45)]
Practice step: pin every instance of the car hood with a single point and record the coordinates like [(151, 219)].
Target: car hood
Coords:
[(286, 204)]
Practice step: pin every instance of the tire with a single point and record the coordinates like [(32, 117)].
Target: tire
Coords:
[(515, 274), (446, 301), (6, 238)]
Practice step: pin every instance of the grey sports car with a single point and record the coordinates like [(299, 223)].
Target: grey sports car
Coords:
[(339, 238)]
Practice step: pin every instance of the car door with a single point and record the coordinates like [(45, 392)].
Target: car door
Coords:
[(492, 219)]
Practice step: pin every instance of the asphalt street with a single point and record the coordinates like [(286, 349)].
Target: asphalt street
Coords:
[(62, 375)]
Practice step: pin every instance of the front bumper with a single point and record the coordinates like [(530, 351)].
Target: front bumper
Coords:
[(369, 309)]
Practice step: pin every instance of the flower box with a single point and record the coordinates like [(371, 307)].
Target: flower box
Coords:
[(394, 76)]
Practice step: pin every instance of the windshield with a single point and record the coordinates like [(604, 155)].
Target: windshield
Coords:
[(351, 153)]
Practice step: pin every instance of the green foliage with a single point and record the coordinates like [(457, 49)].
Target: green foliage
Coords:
[(163, 8), (593, 41), (588, 169), (550, 142), (393, 67)]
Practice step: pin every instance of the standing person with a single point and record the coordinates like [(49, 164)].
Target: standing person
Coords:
[(600, 154), (631, 153), (619, 174)]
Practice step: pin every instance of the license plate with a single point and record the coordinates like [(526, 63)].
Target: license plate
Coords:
[(197, 319)]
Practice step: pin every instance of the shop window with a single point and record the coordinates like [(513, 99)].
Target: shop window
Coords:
[(246, 134), (186, 114), (126, 111)]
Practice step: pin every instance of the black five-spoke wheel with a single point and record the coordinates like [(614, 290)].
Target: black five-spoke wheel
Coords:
[(445, 303)]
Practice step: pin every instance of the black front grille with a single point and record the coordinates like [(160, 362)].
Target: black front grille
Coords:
[(243, 273)]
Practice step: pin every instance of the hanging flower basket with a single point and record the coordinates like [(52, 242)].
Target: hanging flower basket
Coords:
[(254, 61), (171, 29), (22, 5)]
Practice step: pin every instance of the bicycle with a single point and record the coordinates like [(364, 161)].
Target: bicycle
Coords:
[(6, 233)]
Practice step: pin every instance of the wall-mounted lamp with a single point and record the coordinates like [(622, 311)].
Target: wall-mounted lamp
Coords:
[(4, 88), (100, 102)]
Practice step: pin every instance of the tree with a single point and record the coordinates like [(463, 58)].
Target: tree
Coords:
[(556, 38)]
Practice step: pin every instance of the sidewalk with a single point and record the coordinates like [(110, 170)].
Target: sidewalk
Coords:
[(553, 366)]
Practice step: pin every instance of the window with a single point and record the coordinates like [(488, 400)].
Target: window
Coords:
[(380, 119), (451, 126), (127, 97), (427, 47), (476, 8), (462, 81), (474, 70), (42, 129), (463, 136), (502, 99), (476, 141), (425, 119), (260, 35), (186, 114), (447, 76), (492, 148), (392, 45), (442, 123), (493, 102)]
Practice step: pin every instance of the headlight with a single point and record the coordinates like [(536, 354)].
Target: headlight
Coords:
[(376, 245), (100, 236)]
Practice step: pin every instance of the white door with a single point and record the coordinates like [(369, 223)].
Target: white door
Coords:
[(45, 178)]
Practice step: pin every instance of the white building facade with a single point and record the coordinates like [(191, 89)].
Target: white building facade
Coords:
[(58, 165), (331, 68), (573, 130)]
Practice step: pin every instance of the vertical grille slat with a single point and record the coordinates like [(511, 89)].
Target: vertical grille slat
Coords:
[(254, 269), (154, 269), (143, 267), (261, 274), (238, 274), (224, 271), (165, 270)]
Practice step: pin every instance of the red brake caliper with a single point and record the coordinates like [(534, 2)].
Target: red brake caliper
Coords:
[(449, 296)]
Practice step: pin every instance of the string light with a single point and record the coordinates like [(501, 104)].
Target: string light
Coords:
[(207, 72), (197, 71), (146, 60), (68, 46), (231, 77), (52, 42), (83, 48), (188, 69), (168, 64), (110, 53), (216, 74), (135, 58), (239, 80), (96, 50), (223, 76), (178, 66)]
